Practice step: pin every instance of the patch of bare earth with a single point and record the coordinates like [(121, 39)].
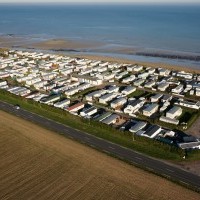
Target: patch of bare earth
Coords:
[(195, 129), (192, 166), (38, 164), (64, 44)]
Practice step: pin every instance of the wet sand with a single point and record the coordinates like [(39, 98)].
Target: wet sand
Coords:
[(62, 44), (149, 64), (77, 48), (10, 41)]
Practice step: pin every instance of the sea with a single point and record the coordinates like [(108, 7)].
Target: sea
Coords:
[(153, 30)]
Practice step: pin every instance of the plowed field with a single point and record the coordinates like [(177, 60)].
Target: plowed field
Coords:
[(38, 164)]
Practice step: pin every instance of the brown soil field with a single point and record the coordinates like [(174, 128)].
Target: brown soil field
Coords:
[(36, 163)]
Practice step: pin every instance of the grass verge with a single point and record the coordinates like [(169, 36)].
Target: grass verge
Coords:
[(144, 145)]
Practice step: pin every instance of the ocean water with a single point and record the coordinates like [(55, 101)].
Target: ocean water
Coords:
[(157, 27)]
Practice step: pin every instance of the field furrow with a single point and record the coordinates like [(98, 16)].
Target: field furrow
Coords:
[(38, 164)]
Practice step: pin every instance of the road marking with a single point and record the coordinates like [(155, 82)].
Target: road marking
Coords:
[(111, 147), (150, 169), (30, 117), (169, 170), (138, 158), (105, 151), (165, 175), (133, 163), (120, 157), (184, 182)]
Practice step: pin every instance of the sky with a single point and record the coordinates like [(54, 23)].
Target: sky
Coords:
[(102, 1)]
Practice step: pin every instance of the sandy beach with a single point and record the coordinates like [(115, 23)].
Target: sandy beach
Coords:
[(38, 164), (77, 48), (9, 41), (149, 64)]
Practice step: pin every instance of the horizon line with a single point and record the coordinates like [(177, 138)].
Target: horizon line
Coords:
[(99, 3)]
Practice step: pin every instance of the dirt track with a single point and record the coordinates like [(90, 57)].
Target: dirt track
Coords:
[(38, 164)]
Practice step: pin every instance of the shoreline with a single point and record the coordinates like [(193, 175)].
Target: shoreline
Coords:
[(149, 64), (105, 52)]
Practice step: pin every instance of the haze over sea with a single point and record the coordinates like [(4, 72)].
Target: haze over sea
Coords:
[(173, 28)]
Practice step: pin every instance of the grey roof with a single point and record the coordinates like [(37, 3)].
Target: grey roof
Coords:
[(135, 102), (128, 88), (151, 107), (103, 116), (120, 99), (157, 96), (113, 87), (189, 139), (110, 119), (174, 109), (63, 101), (166, 97), (90, 109), (49, 98), (138, 126), (169, 120), (163, 85), (105, 96), (150, 83), (189, 103), (151, 130), (93, 93)]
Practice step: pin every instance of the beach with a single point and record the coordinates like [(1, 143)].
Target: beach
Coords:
[(84, 49), (59, 44), (139, 33)]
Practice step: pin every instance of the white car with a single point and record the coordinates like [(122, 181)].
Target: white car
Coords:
[(17, 107)]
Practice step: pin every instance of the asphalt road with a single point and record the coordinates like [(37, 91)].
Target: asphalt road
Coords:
[(138, 159)]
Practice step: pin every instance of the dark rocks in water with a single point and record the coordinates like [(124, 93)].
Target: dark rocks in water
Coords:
[(64, 50), (182, 57), (16, 46), (10, 35)]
